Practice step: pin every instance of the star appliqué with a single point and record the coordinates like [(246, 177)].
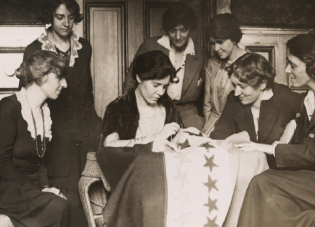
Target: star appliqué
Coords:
[(206, 145), (182, 156), (212, 204), (210, 163), (184, 145), (211, 222), (182, 176), (211, 184)]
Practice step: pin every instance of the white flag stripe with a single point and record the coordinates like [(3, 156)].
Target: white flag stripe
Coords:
[(189, 202)]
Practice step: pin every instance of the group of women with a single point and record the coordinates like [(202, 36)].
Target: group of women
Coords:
[(48, 127)]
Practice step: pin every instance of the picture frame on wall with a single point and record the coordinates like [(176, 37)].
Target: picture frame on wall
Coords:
[(11, 58), (267, 52), (20, 12)]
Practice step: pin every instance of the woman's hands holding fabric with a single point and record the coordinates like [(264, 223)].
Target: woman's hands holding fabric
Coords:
[(169, 130), (266, 148)]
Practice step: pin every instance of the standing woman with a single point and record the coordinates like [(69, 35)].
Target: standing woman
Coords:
[(188, 58), (285, 196), (76, 124), (26, 194), (225, 34)]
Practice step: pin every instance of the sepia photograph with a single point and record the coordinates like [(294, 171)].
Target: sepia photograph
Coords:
[(157, 113)]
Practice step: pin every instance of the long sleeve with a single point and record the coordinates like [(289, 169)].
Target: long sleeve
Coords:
[(225, 125), (8, 136), (207, 104)]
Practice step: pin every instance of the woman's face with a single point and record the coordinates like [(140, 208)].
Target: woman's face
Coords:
[(223, 47), (179, 36), (152, 90), (52, 85), (63, 21), (297, 70), (246, 93)]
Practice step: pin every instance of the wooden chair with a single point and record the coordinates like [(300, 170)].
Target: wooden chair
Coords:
[(93, 189)]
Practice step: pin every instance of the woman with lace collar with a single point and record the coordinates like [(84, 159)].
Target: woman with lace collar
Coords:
[(24, 134), (76, 124)]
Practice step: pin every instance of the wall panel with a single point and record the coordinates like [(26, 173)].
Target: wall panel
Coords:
[(106, 30)]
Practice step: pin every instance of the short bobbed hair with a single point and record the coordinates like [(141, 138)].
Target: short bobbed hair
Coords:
[(40, 64), (179, 14), (303, 47), (50, 6), (153, 65), (225, 26), (252, 69)]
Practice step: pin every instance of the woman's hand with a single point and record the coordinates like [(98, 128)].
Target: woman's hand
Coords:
[(169, 130), (266, 148)]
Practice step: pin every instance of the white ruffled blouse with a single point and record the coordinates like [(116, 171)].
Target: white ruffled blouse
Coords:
[(27, 116)]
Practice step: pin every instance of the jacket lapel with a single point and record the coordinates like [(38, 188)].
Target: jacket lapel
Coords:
[(267, 118), (192, 64), (244, 121)]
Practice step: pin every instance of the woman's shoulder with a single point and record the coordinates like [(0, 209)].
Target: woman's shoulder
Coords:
[(283, 91), (35, 45), (9, 104), (120, 105)]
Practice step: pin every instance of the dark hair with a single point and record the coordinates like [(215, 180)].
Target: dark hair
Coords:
[(179, 14), (39, 64), (50, 7), (225, 26), (153, 65), (252, 69), (303, 47)]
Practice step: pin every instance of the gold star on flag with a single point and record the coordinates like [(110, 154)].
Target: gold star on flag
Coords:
[(182, 156), (211, 204), (211, 184), (211, 223), (206, 145), (184, 145), (210, 163), (182, 176)]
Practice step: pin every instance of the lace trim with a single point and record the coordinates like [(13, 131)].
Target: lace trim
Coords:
[(49, 46), (27, 116)]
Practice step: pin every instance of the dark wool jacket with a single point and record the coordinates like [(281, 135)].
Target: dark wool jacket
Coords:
[(122, 116)]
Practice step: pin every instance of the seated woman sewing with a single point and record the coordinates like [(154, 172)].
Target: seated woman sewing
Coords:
[(145, 114), (257, 104)]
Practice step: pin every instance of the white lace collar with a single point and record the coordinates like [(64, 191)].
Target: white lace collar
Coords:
[(165, 42), (74, 43), (27, 116)]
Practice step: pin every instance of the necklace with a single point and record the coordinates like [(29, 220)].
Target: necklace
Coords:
[(43, 144)]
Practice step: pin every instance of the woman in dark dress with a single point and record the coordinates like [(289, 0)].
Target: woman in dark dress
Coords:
[(257, 105), (26, 194), (76, 124), (286, 196)]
